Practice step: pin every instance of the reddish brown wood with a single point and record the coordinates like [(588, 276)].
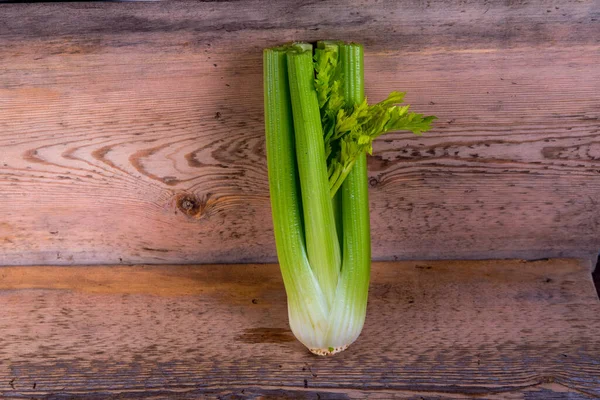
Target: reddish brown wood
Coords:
[(133, 133), (448, 330)]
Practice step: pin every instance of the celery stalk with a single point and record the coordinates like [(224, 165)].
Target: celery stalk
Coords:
[(319, 128), (307, 307), (319, 221), (350, 306)]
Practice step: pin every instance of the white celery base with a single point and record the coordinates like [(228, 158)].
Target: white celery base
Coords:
[(329, 351)]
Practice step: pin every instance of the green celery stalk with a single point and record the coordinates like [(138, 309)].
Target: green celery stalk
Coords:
[(307, 308), (319, 221), (350, 306), (319, 128)]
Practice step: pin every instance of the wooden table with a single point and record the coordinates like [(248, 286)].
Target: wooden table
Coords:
[(434, 330), (131, 139), (133, 132)]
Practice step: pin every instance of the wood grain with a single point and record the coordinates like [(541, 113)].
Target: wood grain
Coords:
[(133, 133), (439, 330)]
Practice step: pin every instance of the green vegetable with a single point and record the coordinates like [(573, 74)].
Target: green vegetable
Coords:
[(319, 128)]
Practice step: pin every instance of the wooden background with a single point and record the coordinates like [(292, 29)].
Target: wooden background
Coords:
[(133, 132), (439, 330)]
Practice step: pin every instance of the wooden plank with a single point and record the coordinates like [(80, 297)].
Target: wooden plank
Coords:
[(133, 133), (491, 329)]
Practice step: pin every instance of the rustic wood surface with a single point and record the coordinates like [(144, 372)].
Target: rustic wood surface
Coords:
[(434, 330), (133, 133)]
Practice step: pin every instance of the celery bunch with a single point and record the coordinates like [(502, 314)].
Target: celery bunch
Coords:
[(319, 128)]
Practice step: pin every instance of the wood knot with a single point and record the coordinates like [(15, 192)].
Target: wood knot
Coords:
[(373, 182), (189, 205)]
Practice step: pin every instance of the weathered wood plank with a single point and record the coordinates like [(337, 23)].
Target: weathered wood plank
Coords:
[(447, 330), (133, 133)]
